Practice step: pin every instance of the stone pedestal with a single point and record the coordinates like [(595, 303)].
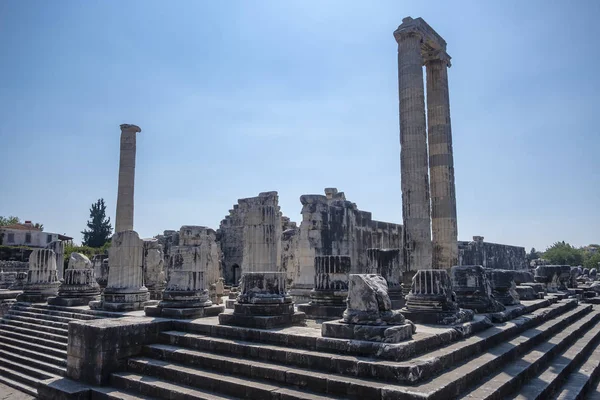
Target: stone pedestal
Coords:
[(564, 277), (58, 247), (42, 281), (503, 286), (574, 274), (125, 290), (387, 263), (186, 294), (369, 315), (328, 298), (79, 286), (539, 288), (263, 302), (473, 290), (432, 301), (100, 265), (521, 277), (549, 276)]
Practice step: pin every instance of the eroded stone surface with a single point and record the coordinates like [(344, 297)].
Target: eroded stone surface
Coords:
[(473, 289), (79, 286), (503, 286), (153, 264), (42, 280)]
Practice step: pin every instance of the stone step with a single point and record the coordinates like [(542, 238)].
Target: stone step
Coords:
[(38, 321), (109, 393), (410, 371), (34, 327), (29, 314), (24, 373), (49, 354), (46, 311), (512, 375), (452, 382), (582, 383), (81, 310), (148, 385), (52, 368), (33, 333), (32, 340), (4, 379), (276, 374), (220, 383), (552, 377)]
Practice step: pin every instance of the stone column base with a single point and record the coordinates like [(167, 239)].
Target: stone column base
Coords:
[(183, 313), (40, 294), (372, 333), (72, 301), (117, 301), (527, 293), (478, 303)]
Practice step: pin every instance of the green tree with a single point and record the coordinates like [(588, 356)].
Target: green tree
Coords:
[(562, 253), (99, 226), (591, 260), (8, 220), (39, 226)]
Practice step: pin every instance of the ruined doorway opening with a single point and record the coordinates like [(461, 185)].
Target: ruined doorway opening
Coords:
[(237, 274)]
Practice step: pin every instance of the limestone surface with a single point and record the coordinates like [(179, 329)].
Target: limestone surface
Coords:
[(473, 289), (42, 280), (79, 286)]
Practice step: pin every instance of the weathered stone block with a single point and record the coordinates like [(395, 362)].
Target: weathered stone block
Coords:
[(503, 286), (473, 289)]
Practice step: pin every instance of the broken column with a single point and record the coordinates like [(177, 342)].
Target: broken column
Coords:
[(58, 247), (473, 289), (549, 276), (79, 286), (441, 161), (413, 147), (125, 290), (263, 301), (387, 262), (369, 315), (153, 264), (7, 279), (432, 301), (503, 286), (328, 298), (192, 267), (42, 281)]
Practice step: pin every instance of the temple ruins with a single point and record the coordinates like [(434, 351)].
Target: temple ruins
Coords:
[(338, 305)]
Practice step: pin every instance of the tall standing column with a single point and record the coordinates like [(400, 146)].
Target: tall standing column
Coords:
[(441, 163), (124, 220), (413, 148)]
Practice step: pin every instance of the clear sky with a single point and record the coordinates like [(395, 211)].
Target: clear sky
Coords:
[(239, 97)]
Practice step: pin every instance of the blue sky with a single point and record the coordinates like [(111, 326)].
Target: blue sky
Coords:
[(235, 98)]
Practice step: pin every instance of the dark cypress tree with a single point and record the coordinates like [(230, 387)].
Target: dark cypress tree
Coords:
[(99, 226)]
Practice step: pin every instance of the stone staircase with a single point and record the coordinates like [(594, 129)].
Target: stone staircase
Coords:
[(552, 352), (33, 344)]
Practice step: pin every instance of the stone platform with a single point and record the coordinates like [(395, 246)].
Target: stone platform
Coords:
[(316, 311)]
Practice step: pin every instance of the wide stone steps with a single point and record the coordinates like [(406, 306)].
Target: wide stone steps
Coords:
[(410, 371), (48, 355), (33, 345), (583, 382), (38, 321), (511, 376), (453, 383), (147, 385), (34, 326), (33, 342), (225, 384), (33, 332), (553, 376), (109, 393)]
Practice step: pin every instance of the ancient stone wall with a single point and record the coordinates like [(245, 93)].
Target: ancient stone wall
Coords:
[(14, 266), (332, 225), (491, 255)]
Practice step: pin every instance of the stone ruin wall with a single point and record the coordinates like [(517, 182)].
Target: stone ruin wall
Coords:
[(243, 228), (491, 255), (332, 225)]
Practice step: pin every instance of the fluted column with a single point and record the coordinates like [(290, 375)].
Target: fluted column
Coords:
[(124, 220), (441, 163), (413, 150)]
